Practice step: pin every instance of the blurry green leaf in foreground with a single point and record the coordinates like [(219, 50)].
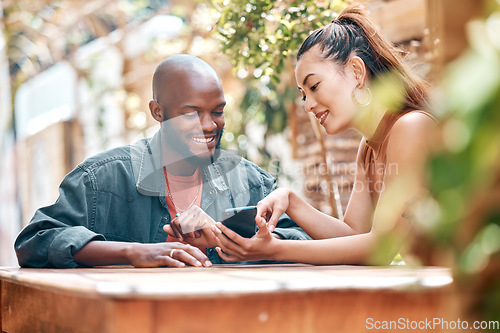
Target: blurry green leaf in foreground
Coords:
[(465, 175)]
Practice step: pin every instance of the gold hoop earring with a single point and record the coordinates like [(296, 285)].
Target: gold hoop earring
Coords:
[(367, 93)]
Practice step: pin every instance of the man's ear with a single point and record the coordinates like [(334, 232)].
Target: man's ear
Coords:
[(156, 110)]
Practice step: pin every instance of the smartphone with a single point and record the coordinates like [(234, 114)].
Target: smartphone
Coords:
[(241, 220)]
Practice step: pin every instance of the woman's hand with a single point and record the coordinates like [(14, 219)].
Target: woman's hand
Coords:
[(273, 206), (232, 247)]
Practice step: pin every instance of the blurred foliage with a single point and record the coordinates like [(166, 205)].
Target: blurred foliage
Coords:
[(264, 35), (261, 38), (463, 217)]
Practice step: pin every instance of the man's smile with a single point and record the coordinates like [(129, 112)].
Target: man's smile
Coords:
[(206, 139)]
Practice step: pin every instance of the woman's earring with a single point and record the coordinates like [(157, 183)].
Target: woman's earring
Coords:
[(366, 95)]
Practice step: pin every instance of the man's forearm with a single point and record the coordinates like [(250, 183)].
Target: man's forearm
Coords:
[(172, 254), (101, 253)]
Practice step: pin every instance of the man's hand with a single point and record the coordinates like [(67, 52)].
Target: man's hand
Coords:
[(101, 253), (171, 254), (193, 227)]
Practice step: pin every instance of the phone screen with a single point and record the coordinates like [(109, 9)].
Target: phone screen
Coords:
[(241, 220)]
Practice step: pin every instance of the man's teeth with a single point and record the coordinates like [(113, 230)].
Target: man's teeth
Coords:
[(203, 139)]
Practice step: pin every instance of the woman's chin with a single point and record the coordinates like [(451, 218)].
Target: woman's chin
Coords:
[(332, 129)]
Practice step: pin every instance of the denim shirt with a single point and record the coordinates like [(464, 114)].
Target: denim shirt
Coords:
[(119, 195)]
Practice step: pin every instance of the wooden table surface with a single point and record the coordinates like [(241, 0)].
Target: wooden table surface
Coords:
[(225, 298)]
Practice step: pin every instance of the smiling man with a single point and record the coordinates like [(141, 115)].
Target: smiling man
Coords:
[(118, 207)]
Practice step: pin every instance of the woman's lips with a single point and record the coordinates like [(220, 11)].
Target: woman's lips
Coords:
[(321, 116)]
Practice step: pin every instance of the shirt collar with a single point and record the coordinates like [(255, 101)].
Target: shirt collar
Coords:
[(149, 170), (383, 128)]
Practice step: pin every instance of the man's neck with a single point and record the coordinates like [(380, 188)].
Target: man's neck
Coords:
[(175, 164), (179, 167)]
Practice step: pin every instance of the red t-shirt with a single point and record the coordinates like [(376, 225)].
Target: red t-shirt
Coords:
[(183, 190)]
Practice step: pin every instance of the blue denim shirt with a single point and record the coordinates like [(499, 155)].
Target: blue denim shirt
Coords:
[(119, 195)]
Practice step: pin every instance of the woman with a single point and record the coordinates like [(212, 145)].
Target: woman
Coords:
[(338, 67)]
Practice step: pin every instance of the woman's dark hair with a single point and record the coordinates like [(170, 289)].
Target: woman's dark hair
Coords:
[(353, 34)]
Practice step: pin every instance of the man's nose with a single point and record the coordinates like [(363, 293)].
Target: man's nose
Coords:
[(207, 123)]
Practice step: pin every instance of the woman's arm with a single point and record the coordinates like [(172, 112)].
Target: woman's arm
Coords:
[(316, 224), (408, 147), (360, 209), (263, 246)]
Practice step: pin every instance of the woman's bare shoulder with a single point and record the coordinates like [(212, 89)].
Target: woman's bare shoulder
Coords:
[(415, 125), (414, 130)]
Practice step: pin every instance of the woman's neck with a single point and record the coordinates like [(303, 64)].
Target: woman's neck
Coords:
[(368, 120)]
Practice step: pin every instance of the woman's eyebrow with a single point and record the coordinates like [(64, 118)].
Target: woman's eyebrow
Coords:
[(307, 77)]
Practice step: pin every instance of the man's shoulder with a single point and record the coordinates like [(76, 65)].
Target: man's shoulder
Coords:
[(116, 155), (229, 162)]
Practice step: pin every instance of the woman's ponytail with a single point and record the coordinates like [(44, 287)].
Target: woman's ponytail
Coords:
[(352, 33)]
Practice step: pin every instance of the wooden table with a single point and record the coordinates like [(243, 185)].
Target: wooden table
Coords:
[(272, 298)]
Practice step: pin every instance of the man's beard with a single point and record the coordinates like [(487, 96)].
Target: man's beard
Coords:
[(171, 138)]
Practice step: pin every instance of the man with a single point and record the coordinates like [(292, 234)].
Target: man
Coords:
[(113, 207)]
